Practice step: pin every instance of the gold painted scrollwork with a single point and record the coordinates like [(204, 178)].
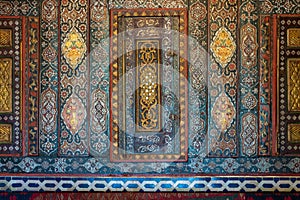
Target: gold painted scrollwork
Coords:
[(5, 85), (5, 38), (5, 133), (293, 37), (294, 84), (294, 132), (148, 82)]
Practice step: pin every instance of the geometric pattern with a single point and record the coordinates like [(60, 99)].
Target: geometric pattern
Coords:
[(293, 73), (158, 184), (17, 8), (5, 133), (11, 84), (248, 71), (6, 68), (294, 132), (5, 38), (99, 78), (293, 37), (288, 87), (57, 133), (198, 45)]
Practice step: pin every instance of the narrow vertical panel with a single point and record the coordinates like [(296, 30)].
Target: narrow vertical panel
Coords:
[(32, 80), (222, 80), (265, 86), (48, 115), (198, 54), (248, 78), (73, 73), (99, 76), (274, 85)]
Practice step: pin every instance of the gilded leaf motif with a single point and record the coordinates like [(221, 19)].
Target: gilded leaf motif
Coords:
[(223, 46), (74, 48)]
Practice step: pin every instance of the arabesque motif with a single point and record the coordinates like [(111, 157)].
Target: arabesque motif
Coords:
[(48, 138), (141, 63), (73, 114), (227, 125), (98, 111), (223, 46), (249, 45), (148, 112), (74, 48), (74, 77), (223, 112), (222, 79)]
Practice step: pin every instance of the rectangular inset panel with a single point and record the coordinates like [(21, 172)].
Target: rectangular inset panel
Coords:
[(5, 85), (5, 133), (148, 97), (12, 65), (148, 85), (293, 76), (5, 38), (293, 37), (294, 133), (288, 86)]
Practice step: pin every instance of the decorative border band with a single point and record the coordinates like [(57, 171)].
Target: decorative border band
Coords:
[(155, 184)]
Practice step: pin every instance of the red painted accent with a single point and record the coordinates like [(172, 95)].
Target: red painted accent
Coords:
[(264, 19), (274, 87), (38, 96), (11, 17), (33, 93), (110, 89), (23, 87)]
